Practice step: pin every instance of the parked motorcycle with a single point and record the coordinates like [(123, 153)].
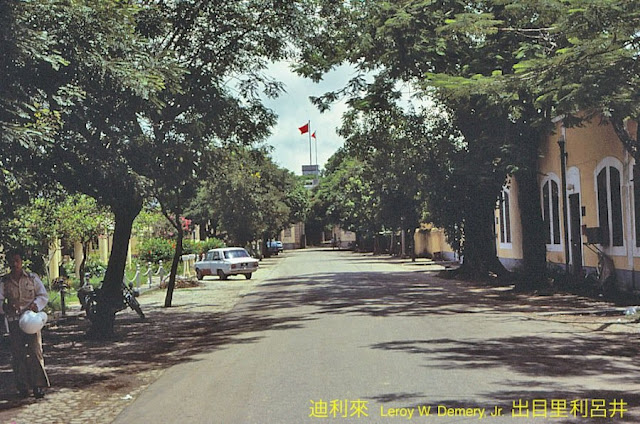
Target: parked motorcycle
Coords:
[(88, 297)]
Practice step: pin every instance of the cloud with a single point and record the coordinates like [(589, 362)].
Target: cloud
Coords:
[(294, 109)]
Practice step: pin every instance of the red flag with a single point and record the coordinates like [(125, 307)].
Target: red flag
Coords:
[(314, 135), (304, 129)]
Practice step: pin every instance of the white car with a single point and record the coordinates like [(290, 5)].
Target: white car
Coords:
[(227, 261)]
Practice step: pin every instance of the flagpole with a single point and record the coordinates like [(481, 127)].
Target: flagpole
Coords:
[(316, 137), (309, 126)]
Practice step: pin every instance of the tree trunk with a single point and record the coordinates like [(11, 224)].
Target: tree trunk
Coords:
[(479, 245), (174, 267), (412, 243), (482, 124), (533, 238), (110, 296)]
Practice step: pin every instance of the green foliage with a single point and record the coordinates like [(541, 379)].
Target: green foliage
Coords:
[(156, 249), (55, 303), (212, 243), (249, 196), (345, 196), (51, 216), (151, 223), (94, 266), (199, 247), (27, 52)]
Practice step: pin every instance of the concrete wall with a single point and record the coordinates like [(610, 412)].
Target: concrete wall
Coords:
[(293, 237), (430, 241)]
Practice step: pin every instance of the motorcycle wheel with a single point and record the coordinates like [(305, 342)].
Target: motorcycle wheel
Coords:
[(135, 305)]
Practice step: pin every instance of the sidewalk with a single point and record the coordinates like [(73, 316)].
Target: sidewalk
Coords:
[(94, 381), (596, 315)]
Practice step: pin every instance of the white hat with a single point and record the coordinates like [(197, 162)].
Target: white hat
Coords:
[(31, 322)]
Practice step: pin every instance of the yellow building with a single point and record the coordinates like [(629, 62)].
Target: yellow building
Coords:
[(431, 242), (600, 200)]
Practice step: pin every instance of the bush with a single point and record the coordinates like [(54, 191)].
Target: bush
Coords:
[(189, 247), (156, 249), (54, 303), (212, 243), (69, 268), (94, 265)]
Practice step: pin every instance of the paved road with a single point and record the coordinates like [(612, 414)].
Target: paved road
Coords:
[(333, 333)]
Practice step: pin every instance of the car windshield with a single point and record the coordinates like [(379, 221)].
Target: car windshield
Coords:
[(238, 253)]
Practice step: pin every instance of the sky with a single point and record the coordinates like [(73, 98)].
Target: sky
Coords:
[(294, 109)]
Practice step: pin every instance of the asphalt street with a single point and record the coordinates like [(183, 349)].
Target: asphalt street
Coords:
[(340, 337)]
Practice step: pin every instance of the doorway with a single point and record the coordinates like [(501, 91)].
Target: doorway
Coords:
[(575, 241)]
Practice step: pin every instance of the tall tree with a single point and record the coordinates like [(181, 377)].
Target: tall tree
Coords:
[(223, 49), (250, 197), (591, 66), (345, 197), (459, 52), (114, 79), (134, 77)]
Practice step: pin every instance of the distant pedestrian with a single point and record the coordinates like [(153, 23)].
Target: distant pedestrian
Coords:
[(22, 291)]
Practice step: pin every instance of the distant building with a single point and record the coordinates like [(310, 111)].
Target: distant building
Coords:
[(294, 237), (310, 170), (313, 171)]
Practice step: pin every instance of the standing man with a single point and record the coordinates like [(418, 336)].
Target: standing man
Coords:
[(21, 291)]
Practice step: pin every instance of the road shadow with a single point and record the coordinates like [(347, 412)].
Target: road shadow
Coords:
[(406, 294), (544, 364), (176, 335), (163, 339)]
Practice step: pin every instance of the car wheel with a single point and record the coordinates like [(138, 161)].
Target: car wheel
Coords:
[(199, 274), (247, 276), (222, 275)]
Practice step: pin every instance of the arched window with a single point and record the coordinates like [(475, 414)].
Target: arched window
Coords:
[(608, 179), (551, 211), (505, 217)]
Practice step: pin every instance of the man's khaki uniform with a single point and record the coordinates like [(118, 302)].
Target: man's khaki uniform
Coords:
[(26, 349)]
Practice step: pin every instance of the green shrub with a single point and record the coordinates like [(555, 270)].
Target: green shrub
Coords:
[(54, 302), (190, 247), (156, 249), (94, 265), (212, 243), (69, 269)]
